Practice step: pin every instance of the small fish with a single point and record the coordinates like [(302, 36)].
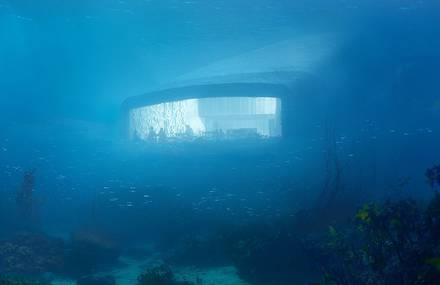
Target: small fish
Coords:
[(23, 18), (61, 177)]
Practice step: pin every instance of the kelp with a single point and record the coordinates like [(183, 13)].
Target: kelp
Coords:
[(433, 176)]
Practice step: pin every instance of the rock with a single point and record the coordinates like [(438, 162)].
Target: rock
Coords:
[(90, 252), (31, 254)]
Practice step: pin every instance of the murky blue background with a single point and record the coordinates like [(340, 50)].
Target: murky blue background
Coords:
[(67, 66)]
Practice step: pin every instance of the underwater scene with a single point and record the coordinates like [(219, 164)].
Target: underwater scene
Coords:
[(219, 142)]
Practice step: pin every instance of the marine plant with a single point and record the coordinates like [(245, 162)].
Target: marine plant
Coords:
[(15, 280), (433, 176), (25, 200), (31, 254), (333, 171), (392, 243), (157, 275)]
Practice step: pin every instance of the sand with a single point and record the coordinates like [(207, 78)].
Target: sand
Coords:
[(127, 273)]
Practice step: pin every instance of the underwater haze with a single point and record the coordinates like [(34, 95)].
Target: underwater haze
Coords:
[(219, 142)]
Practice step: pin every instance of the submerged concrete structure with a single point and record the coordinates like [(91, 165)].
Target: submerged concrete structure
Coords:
[(250, 95), (213, 110)]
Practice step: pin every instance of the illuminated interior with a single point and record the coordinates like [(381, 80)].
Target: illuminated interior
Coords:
[(220, 117)]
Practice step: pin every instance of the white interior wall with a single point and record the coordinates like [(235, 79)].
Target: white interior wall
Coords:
[(197, 117)]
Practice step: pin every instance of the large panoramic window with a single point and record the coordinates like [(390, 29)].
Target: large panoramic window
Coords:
[(217, 118)]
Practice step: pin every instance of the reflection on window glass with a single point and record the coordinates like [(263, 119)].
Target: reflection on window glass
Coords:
[(222, 117)]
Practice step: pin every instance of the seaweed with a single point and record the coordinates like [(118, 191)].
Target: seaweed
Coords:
[(395, 242), (157, 275), (162, 275), (333, 171), (433, 176), (25, 200), (15, 280), (392, 243), (31, 254)]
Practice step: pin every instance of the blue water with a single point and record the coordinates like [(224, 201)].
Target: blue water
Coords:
[(361, 125)]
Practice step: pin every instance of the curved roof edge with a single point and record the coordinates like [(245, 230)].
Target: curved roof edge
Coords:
[(207, 91), (281, 77), (304, 53)]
